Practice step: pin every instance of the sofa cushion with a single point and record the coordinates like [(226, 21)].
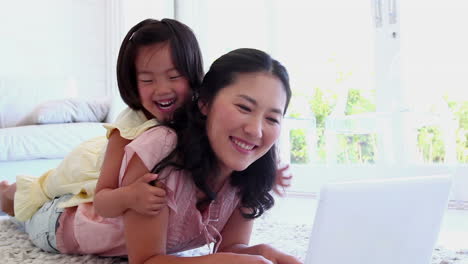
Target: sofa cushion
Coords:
[(45, 141), (67, 111)]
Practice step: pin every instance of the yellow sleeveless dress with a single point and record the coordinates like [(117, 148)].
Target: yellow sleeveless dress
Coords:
[(78, 172)]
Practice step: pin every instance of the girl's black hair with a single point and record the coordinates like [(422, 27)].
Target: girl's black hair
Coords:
[(185, 50), (193, 152)]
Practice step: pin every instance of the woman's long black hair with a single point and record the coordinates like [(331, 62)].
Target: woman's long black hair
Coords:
[(193, 152)]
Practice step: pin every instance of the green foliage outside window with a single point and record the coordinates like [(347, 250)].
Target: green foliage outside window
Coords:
[(357, 104), (356, 148), (321, 104), (430, 144), (361, 148), (460, 110), (298, 146), (430, 141)]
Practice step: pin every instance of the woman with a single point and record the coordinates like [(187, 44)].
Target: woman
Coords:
[(226, 141)]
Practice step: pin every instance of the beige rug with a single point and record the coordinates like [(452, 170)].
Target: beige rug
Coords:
[(16, 248)]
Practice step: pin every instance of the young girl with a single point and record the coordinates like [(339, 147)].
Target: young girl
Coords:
[(158, 64), (217, 163)]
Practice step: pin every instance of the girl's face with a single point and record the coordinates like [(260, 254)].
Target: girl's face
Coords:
[(244, 119), (161, 87)]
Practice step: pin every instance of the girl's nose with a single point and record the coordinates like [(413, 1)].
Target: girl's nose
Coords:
[(161, 87)]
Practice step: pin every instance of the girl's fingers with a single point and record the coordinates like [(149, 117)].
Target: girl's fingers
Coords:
[(157, 200), (148, 177), (153, 212), (156, 191), (154, 209), (278, 191), (284, 183), (157, 208)]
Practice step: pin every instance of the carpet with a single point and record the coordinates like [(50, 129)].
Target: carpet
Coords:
[(15, 246)]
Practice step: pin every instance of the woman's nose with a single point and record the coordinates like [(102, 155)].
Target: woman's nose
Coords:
[(253, 127)]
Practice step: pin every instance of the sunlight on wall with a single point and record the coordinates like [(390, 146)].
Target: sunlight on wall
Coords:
[(434, 50), (51, 44)]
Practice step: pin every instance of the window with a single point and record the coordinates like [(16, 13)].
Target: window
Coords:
[(382, 82), (434, 70)]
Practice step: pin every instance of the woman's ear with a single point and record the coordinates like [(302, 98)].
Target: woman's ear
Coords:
[(203, 106)]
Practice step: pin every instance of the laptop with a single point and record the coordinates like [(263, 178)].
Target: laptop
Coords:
[(385, 221)]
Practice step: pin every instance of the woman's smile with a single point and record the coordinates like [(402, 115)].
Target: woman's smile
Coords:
[(242, 145)]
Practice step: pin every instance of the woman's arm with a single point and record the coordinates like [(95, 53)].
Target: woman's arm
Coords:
[(236, 236), (146, 235)]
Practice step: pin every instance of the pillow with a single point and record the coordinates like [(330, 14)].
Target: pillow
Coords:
[(45, 141), (67, 111)]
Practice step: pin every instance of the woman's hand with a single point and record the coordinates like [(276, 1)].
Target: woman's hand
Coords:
[(276, 256), (234, 258), (261, 253), (251, 259), (145, 198)]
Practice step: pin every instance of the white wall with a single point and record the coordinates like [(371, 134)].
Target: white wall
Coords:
[(135, 11), (50, 50), (59, 39)]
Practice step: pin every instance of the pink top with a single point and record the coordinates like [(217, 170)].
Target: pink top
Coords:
[(82, 231)]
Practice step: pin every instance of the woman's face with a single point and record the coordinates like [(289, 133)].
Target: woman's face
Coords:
[(244, 119)]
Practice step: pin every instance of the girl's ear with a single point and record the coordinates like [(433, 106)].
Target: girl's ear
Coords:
[(203, 106)]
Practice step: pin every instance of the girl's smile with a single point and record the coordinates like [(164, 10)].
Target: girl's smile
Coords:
[(166, 105)]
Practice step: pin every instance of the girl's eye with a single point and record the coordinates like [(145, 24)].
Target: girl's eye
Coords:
[(174, 77), (146, 81), (244, 108)]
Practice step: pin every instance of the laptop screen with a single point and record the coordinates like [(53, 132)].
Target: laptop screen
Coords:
[(379, 221)]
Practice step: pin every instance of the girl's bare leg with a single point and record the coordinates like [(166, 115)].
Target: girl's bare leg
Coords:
[(7, 196)]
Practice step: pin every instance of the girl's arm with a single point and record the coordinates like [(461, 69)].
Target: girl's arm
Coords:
[(146, 236), (111, 201)]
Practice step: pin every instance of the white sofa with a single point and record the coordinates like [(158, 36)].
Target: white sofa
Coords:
[(37, 131)]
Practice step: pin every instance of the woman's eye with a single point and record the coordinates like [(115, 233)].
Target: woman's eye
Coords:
[(146, 81), (244, 108), (274, 120)]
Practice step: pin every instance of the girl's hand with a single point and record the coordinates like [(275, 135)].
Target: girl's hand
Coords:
[(283, 178), (145, 198), (276, 256)]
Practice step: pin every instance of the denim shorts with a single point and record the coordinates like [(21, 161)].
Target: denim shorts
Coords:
[(43, 224)]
